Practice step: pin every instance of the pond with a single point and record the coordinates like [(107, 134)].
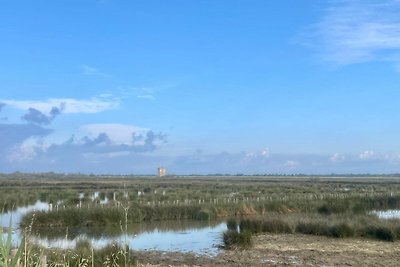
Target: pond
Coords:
[(199, 237), (179, 236), (15, 216)]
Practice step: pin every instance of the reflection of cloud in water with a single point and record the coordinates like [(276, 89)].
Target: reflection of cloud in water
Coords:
[(203, 240), (110, 231), (387, 214), (202, 237), (15, 217)]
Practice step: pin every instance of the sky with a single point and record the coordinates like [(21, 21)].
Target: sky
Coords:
[(200, 87)]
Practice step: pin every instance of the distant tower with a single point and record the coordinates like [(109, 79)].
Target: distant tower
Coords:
[(161, 172)]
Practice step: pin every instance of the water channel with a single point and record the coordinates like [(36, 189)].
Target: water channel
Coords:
[(199, 237)]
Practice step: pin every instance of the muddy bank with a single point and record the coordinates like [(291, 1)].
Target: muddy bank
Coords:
[(289, 250)]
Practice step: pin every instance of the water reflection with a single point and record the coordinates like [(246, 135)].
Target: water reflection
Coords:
[(13, 219), (15, 216), (200, 237), (387, 214), (182, 236)]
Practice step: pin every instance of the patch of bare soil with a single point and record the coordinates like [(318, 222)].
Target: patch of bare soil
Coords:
[(289, 250)]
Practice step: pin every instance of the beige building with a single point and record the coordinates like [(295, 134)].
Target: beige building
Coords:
[(161, 172)]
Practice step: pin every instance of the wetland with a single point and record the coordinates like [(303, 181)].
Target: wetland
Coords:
[(196, 218)]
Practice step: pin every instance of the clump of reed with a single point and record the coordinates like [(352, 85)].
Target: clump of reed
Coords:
[(84, 255), (339, 230), (235, 239), (27, 254), (232, 224), (269, 225), (357, 204), (360, 226), (72, 217), (380, 232), (8, 255), (112, 215)]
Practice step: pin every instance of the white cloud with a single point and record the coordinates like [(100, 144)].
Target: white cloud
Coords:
[(261, 155), (367, 154), (27, 150), (337, 157), (265, 152), (22, 153), (358, 31), (118, 133), (70, 105)]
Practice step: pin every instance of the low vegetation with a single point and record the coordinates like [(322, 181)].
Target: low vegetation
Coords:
[(337, 207), (27, 254), (358, 226)]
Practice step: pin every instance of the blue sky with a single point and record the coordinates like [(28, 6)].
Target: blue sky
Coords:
[(200, 86)]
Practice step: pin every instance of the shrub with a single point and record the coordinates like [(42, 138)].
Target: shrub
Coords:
[(384, 233), (245, 225), (276, 226), (397, 231), (341, 230), (230, 238), (378, 232), (233, 239), (202, 215), (245, 239), (324, 209), (312, 229)]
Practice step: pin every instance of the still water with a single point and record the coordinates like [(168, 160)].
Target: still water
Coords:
[(178, 236), (387, 214), (183, 236), (15, 216)]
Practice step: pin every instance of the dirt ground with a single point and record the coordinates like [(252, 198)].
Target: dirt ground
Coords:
[(289, 250)]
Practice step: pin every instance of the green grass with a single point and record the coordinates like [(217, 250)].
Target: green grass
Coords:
[(83, 255), (335, 226), (235, 239), (330, 206), (9, 257)]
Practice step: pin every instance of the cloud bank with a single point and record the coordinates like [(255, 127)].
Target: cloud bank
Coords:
[(70, 105), (13, 135)]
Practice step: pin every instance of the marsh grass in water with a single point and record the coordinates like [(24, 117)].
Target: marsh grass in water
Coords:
[(26, 254), (102, 216), (334, 207), (236, 239), (9, 257)]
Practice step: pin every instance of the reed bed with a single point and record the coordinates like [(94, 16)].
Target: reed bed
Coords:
[(335, 226), (94, 214), (28, 254), (337, 207)]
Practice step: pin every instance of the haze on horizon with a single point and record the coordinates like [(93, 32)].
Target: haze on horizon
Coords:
[(107, 86)]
